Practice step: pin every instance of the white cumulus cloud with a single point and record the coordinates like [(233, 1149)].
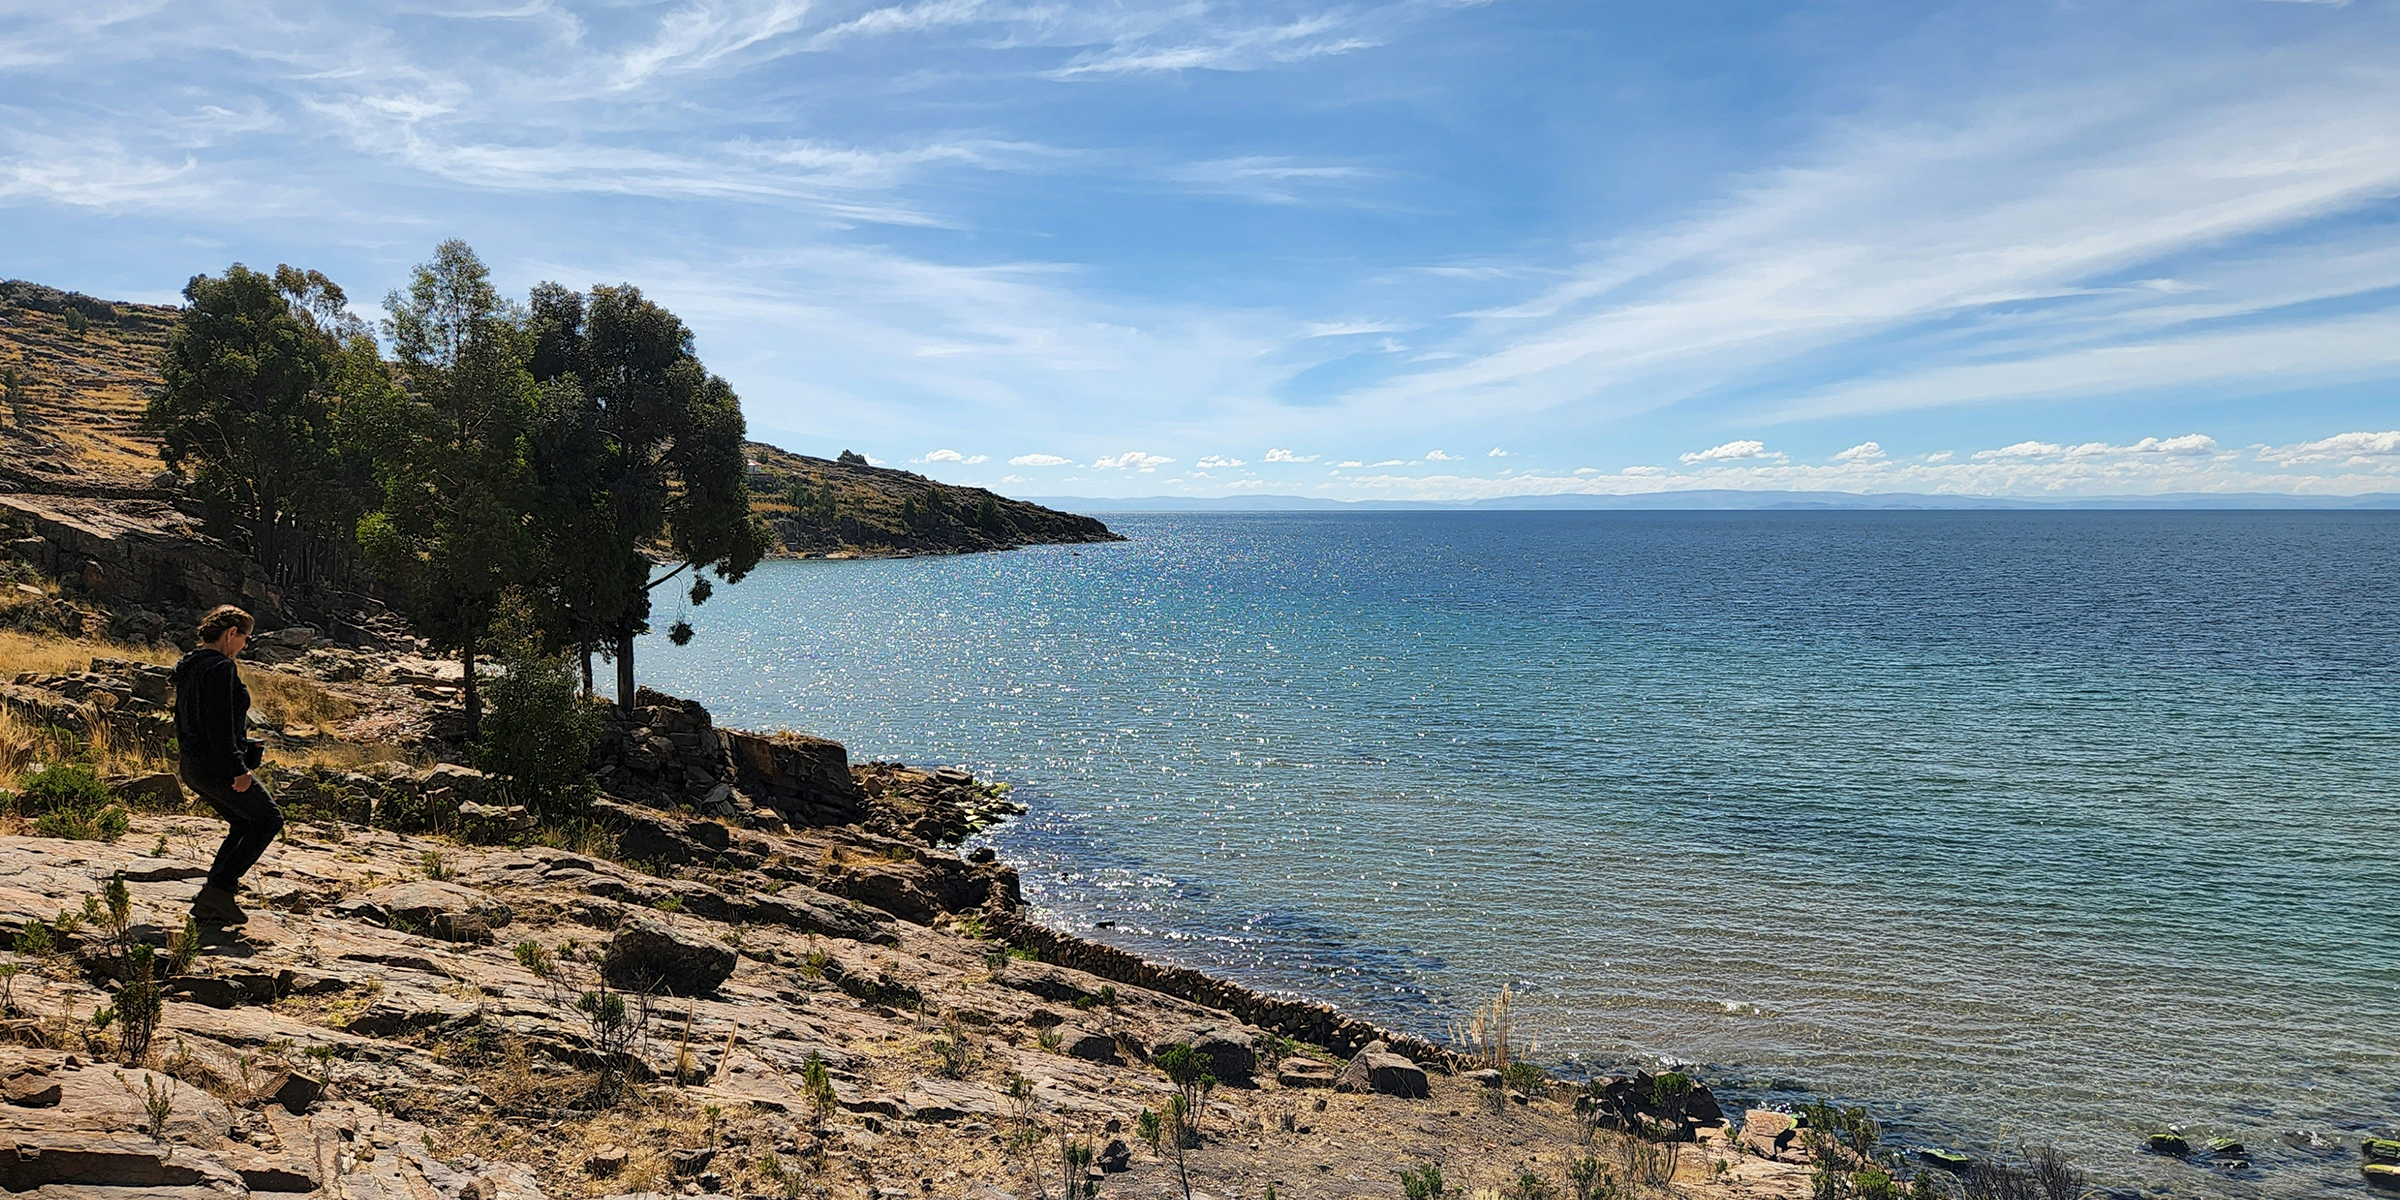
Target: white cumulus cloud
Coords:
[(1737, 451), (953, 456), (1495, 452), (2024, 449), (1862, 452), (1288, 456), (1132, 460), (2189, 445), (1438, 456), (1039, 460), (2354, 448), (1214, 461)]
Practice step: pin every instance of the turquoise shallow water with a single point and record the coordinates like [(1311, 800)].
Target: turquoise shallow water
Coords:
[(2021, 826)]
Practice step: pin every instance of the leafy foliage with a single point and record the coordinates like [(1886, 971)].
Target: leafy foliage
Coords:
[(449, 536), (68, 800), (539, 736), (649, 457), (273, 398)]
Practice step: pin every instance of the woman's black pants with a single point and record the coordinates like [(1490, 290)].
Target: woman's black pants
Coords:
[(254, 821)]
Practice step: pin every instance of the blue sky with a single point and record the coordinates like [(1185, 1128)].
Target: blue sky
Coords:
[(1414, 249)]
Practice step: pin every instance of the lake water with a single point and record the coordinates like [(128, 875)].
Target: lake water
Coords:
[(2022, 827)]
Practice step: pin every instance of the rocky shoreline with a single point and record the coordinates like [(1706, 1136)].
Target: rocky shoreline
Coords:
[(827, 999)]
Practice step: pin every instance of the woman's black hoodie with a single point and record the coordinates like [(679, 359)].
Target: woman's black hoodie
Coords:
[(212, 718)]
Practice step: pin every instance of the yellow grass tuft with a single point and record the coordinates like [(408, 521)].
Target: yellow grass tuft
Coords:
[(283, 699), (54, 655)]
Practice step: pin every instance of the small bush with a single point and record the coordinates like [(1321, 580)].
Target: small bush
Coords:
[(62, 786), (539, 731), (1525, 1077), (816, 1083), (1422, 1183), (68, 800)]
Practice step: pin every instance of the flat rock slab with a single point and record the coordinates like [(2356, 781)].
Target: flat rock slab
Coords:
[(446, 910), (1305, 1073), (950, 1100)]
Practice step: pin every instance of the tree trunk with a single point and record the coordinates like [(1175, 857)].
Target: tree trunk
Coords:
[(474, 701), (586, 647), (625, 669)]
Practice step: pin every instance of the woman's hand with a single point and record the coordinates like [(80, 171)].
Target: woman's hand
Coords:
[(241, 782)]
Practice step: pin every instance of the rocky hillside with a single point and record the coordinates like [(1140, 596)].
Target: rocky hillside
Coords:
[(832, 508), (761, 970), (89, 366)]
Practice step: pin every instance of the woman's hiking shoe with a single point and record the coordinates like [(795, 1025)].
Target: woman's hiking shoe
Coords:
[(215, 906)]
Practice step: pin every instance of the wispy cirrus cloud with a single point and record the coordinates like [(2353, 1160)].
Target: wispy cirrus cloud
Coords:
[(1241, 48), (2006, 289)]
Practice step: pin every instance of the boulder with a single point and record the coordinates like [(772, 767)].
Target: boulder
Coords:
[(443, 910), (465, 783), (158, 788), (1768, 1132), (1086, 1045), (1230, 1051), (807, 779), (494, 822), (1377, 1069), (650, 954), (29, 1086), (297, 1091)]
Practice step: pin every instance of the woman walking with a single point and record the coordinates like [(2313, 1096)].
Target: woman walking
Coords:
[(215, 756)]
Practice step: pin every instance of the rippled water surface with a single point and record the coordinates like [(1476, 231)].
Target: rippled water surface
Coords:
[(2035, 826)]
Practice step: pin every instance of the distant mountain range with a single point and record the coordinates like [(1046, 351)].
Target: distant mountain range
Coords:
[(1719, 499)]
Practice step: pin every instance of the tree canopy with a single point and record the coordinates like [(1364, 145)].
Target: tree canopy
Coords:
[(650, 457), (563, 458), (273, 396)]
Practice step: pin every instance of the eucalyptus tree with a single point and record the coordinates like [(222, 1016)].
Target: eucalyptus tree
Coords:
[(453, 530), (272, 393), (644, 477)]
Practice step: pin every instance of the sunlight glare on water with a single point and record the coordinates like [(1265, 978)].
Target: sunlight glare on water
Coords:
[(2051, 826)]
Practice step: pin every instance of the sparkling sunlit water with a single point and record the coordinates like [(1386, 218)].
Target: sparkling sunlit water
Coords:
[(2044, 826)]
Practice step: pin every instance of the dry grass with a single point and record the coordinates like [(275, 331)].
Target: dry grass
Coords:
[(54, 655), (652, 1122), (25, 745), (345, 756), (284, 699)]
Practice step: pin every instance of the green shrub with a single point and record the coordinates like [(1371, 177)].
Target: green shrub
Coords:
[(1422, 1183), (62, 785), (68, 800), (538, 732), (1525, 1077)]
